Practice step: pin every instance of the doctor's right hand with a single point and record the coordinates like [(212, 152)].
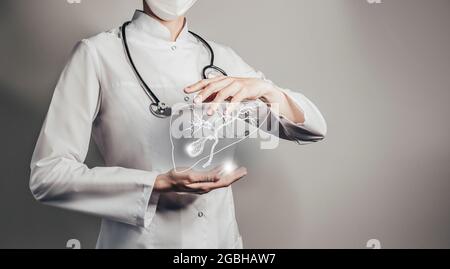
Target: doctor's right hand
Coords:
[(197, 182)]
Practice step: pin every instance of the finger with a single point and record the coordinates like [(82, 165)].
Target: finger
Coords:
[(232, 178), (209, 176), (210, 98), (212, 88), (201, 187), (201, 84), (180, 171), (235, 101), (226, 180), (223, 94), (205, 187), (202, 177)]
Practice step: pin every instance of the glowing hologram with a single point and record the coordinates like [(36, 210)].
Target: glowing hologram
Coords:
[(228, 167), (199, 129)]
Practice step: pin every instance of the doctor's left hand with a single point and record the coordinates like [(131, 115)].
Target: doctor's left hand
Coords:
[(235, 90), (197, 182)]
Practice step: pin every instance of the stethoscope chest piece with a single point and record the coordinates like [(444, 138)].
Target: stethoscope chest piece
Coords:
[(160, 110)]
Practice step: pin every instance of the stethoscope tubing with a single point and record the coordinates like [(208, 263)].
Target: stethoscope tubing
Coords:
[(149, 92), (157, 108)]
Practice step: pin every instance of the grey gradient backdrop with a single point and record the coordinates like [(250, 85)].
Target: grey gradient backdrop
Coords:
[(380, 73)]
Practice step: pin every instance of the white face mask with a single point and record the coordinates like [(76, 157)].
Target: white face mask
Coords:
[(170, 10)]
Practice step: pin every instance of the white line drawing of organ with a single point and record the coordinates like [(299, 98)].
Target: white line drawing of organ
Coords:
[(201, 138)]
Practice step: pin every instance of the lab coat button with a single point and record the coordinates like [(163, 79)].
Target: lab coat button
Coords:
[(186, 98), (200, 214)]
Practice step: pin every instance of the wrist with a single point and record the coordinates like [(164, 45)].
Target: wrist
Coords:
[(161, 183), (273, 95)]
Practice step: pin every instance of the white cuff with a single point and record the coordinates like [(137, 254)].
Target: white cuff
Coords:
[(314, 127), (148, 203)]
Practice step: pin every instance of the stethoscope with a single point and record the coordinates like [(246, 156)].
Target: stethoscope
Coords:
[(158, 108)]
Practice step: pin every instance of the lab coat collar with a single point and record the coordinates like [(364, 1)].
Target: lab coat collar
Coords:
[(154, 28)]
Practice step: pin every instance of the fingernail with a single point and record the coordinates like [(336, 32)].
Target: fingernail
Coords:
[(198, 99), (210, 112)]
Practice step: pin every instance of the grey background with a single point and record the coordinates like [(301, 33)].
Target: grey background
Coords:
[(380, 73)]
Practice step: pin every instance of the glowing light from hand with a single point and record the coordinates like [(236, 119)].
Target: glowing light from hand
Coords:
[(228, 168), (190, 150)]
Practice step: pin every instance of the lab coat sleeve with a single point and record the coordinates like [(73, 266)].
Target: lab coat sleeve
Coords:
[(312, 130), (59, 176)]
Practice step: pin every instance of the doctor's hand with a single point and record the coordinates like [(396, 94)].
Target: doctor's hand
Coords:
[(235, 90), (197, 182)]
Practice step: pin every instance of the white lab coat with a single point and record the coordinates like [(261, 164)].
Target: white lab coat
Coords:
[(98, 94)]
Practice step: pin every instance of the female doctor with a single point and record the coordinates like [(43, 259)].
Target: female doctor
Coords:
[(141, 200)]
